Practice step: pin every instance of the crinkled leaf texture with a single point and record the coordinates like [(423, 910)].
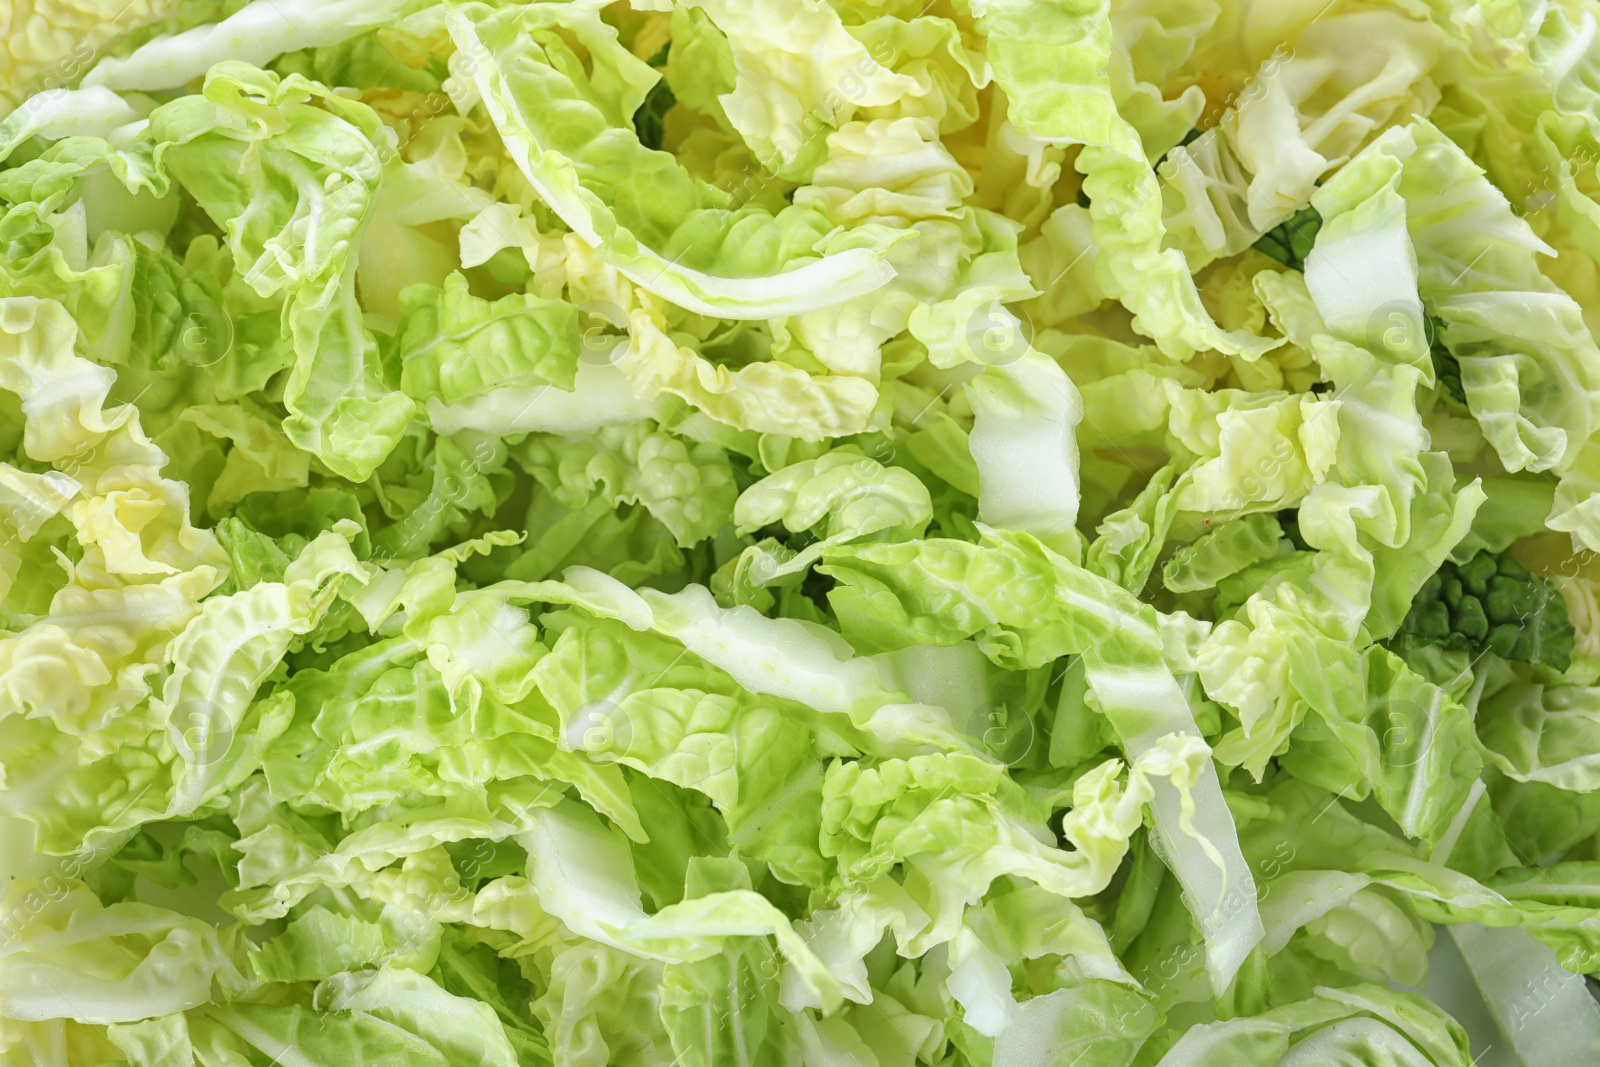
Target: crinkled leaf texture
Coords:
[(794, 533)]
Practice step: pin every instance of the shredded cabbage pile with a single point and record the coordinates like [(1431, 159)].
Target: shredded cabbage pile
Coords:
[(799, 533)]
